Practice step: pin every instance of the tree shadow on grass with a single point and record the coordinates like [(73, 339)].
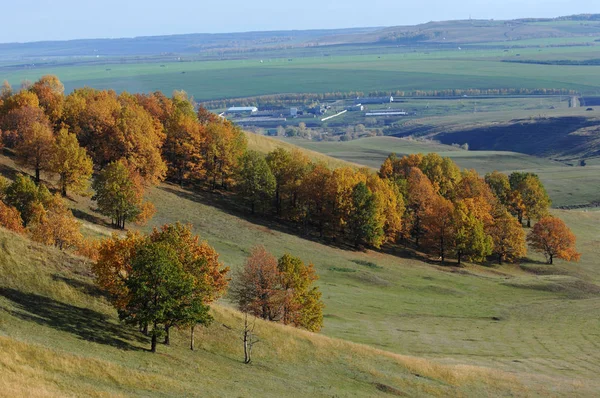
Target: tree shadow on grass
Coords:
[(229, 204), (87, 324), (91, 218), (85, 287)]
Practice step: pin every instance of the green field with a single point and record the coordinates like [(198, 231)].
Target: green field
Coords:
[(320, 74)]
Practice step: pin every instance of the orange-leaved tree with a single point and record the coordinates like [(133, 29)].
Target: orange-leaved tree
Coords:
[(551, 236), (257, 287), (54, 225), (10, 218)]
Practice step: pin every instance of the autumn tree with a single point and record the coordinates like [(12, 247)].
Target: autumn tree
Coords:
[(117, 194), (197, 257), (342, 183), (92, 116), (420, 195), (302, 305), (255, 181), (117, 128), (438, 226), (365, 223), (390, 205), (34, 148), (289, 169), (201, 262), (113, 265), (443, 173), (184, 139), (50, 92), (10, 218), (508, 237), (471, 241), (71, 162), (257, 287), (54, 225), (222, 149), (554, 239), (317, 197), (535, 198)]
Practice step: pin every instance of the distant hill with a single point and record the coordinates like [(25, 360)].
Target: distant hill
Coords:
[(431, 33)]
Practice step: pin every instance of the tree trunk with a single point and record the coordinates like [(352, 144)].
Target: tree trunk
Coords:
[(37, 175), (551, 258), (145, 329), (167, 335), (499, 258), (153, 344), (529, 223), (192, 337), (252, 207), (459, 256)]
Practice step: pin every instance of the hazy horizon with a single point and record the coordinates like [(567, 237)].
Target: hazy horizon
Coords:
[(43, 20)]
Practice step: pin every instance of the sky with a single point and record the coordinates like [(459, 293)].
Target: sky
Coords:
[(37, 20)]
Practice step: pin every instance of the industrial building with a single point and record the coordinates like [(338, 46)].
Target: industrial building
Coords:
[(374, 100), (242, 109)]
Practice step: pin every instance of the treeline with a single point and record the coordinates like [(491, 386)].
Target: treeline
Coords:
[(423, 200), (586, 62), (305, 99)]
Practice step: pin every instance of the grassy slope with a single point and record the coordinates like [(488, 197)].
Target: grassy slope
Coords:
[(59, 337), (537, 321)]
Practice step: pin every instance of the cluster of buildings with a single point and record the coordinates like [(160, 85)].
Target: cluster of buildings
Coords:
[(251, 115)]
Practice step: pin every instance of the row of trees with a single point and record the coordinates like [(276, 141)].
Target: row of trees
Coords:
[(308, 99), (136, 141), (422, 199)]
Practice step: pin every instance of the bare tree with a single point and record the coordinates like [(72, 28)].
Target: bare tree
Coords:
[(248, 338)]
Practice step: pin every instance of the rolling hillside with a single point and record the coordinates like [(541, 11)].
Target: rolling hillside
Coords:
[(526, 330), (59, 337)]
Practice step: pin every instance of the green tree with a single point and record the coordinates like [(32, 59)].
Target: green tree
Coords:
[(24, 195), (117, 194), (71, 162), (255, 182), (500, 186), (161, 293), (364, 225)]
